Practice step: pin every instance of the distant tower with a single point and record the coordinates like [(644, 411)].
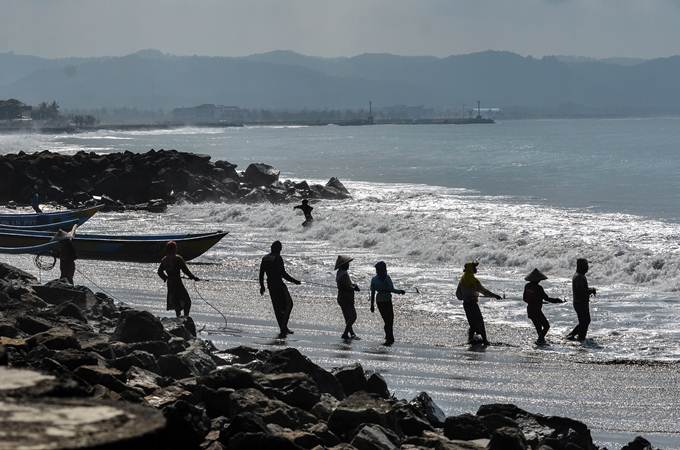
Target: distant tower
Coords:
[(479, 109), (370, 111)]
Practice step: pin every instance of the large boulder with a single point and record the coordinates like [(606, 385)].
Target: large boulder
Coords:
[(507, 438), (375, 437), (139, 326), (260, 174), (639, 443), (465, 427), (376, 384), (187, 425), (359, 408), (351, 377), (428, 408), (55, 339), (270, 410), (296, 389)]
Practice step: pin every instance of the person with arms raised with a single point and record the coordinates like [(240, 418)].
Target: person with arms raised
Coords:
[(381, 293)]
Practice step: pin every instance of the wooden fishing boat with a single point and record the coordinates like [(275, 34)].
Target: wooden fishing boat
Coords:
[(65, 225), (41, 249), (129, 248), (33, 219)]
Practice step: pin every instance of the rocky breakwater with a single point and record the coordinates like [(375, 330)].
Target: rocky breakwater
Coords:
[(79, 371), (148, 180)]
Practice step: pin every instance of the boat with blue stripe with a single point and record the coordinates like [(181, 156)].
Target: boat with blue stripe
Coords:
[(34, 219)]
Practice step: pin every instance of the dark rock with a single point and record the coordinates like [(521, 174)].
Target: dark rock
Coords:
[(465, 427), (142, 379), (359, 408), (167, 396), (326, 436), (406, 420), (194, 361), (325, 407), (32, 325), (139, 326), (271, 411), (7, 329), (495, 421), (506, 438), (639, 443), (187, 425), (337, 184), (290, 360), (249, 441), (183, 327), (260, 174), (3, 356), (351, 378), (228, 377), (55, 339), (156, 348), (429, 409), (296, 389), (72, 359), (243, 422), (217, 403), (376, 384), (69, 309), (430, 439), (8, 272), (375, 437), (138, 358)]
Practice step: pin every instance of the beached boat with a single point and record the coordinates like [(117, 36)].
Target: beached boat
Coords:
[(41, 249), (33, 219), (65, 225), (129, 248)]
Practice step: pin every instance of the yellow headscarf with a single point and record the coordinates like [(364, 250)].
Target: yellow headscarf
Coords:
[(468, 280)]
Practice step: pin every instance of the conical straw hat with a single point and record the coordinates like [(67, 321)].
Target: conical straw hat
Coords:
[(535, 275), (341, 261)]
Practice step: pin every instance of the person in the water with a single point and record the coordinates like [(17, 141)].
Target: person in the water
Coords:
[(534, 296), (468, 291), (307, 211), (582, 293), (381, 284), (272, 265), (170, 270), (346, 290)]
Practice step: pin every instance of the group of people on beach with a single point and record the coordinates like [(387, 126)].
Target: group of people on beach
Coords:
[(272, 268)]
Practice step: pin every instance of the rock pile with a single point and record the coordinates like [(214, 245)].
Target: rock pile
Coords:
[(84, 372), (148, 180)]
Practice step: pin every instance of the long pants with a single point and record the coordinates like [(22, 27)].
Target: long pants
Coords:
[(387, 313), (350, 315), (583, 313), (67, 269), (539, 320), (282, 304), (475, 320)]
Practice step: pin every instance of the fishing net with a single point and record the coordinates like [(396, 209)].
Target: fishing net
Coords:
[(45, 262)]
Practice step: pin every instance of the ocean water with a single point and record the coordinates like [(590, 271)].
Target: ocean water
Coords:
[(514, 196)]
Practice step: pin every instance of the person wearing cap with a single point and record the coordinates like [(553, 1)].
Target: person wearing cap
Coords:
[(468, 291), (582, 293), (272, 265), (307, 211), (381, 293), (346, 290), (534, 296), (170, 270)]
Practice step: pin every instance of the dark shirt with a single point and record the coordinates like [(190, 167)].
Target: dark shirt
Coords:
[(172, 267), (273, 266), (580, 289), (67, 252), (306, 209), (534, 295)]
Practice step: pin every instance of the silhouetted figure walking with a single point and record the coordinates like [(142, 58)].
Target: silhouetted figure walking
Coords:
[(582, 293), (381, 284), (534, 295), (307, 211), (272, 265), (346, 290), (170, 270), (67, 255), (35, 200), (468, 291)]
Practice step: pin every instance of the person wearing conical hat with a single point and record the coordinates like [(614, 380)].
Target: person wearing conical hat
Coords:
[(346, 290), (534, 296), (468, 291), (381, 284)]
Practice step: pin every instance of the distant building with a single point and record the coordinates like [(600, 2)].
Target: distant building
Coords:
[(13, 109), (208, 113)]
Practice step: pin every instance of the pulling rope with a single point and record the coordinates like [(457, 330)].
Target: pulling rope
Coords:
[(101, 289), (226, 324)]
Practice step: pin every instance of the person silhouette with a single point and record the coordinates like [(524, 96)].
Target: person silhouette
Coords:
[(272, 265), (582, 293), (468, 291), (382, 285), (35, 200), (346, 290), (307, 211), (534, 296), (170, 270), (66, 252)]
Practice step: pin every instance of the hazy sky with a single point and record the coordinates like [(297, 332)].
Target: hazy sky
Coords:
[(600, 28)]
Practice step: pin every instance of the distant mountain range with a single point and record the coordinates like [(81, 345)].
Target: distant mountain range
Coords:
[(150, 79)]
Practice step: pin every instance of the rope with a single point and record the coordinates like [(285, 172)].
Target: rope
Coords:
[(226, 324), (42, 265), (101, 289)]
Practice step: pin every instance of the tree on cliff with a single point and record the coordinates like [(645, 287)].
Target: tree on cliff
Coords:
[(46, 111)]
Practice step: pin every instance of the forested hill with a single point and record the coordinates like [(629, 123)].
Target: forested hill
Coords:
[(152, 80)]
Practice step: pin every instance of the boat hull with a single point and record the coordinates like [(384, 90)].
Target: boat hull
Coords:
[(140, 249), (65, 225), (33, 219)]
